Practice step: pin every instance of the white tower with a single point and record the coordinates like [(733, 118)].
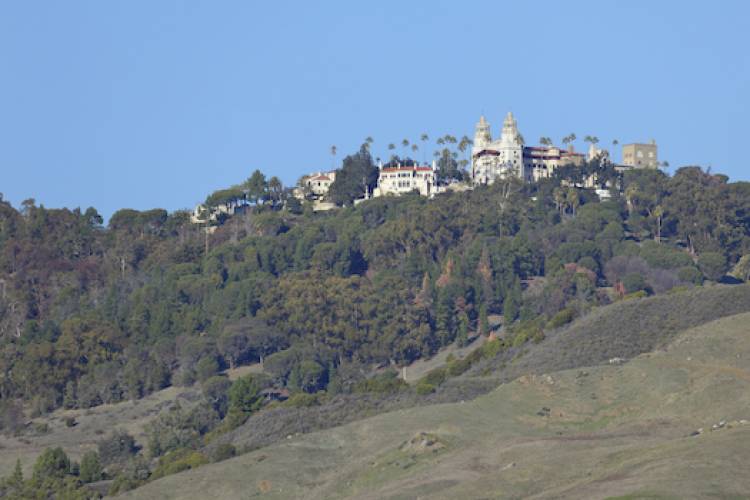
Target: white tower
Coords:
[(481, 167), (482, 136), (510, 149)]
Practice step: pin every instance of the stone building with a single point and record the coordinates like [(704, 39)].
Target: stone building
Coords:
[(540, 161), (640, 155), (508, 157), (502, 158)]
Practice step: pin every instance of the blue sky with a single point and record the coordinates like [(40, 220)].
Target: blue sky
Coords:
[(145, 104)]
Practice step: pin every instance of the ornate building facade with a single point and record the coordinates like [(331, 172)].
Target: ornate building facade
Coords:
[(502, 158), (402, 179), (508, 157)]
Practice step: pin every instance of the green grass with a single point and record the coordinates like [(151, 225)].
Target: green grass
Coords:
[(630, 440)]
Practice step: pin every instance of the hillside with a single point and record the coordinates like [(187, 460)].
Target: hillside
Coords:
[(624, 329), (621, 330), (607, 332), (332, 307), (583, 433)]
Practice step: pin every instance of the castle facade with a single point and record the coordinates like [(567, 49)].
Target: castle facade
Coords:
[(507, 156)]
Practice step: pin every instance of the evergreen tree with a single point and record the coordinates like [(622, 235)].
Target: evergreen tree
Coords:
[(484, 324), (91, 468), (512, 302)]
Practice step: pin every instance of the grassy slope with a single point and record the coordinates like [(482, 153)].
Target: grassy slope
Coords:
[(624, 329), (610, 430), (91, 426)]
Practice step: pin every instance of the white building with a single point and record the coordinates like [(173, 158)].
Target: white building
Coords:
[(316, 185), (502, 158), (406, 179), (540, 162), (508, 157), (203, 214)]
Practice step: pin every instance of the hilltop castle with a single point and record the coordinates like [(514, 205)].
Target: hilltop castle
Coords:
[(509, 157)]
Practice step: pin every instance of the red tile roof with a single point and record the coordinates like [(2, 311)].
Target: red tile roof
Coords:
[(409, 169)]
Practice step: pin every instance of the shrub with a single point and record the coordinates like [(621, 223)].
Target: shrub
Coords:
[(589, 263), (424, 388), (70, 422), (636, 295), (713, 265), (561, 318), (690, 274), (459, 366), (206, 368), (215, 393), (134, 473), (244, 395), (492, 348), (633, 282), (529, 330), (436, 376), (11, 416), (304, 400), (52, 463), (118, 447), (178, 461), (387, 382), (309, 376), (664, 256), (41, 428), (91, 468), (223, 451)]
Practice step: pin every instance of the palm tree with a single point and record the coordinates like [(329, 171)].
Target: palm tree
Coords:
[(405, 144), (424, 138), (463, 146), (391, 147), (275, 188), (630, 194), (414, 149), (368, 143), (574, 199), (333, 154), (559, 196), (545, 141)]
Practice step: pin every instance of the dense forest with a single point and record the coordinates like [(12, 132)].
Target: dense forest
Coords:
[(93, 314)]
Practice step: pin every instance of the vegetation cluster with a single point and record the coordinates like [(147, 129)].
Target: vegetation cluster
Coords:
[(330, 304)]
